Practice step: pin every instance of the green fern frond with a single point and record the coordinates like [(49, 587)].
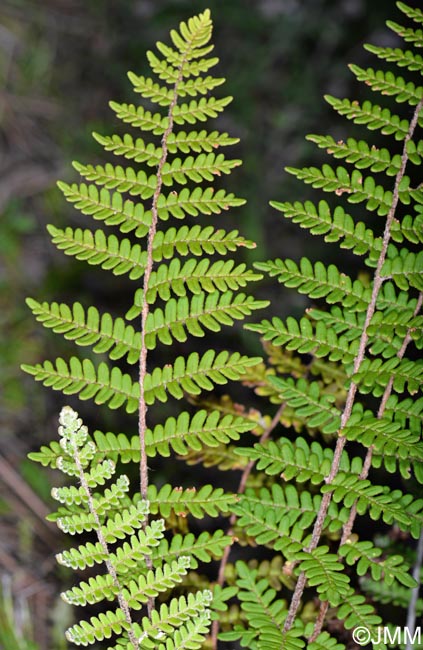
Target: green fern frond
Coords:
[(389, 84), (336, 226), (205, 501), (109, 252), (365, 557), (371, 115), (319, 281)]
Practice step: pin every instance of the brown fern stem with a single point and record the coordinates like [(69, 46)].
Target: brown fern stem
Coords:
[(348, 526), (142, 406), (352, 391)]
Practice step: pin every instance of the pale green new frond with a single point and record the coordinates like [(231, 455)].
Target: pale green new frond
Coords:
[(126, 556), (175, 613), (97, 628), (117, 255), (205, 501), (190, 635), (335, 225), (308, 338), (108, 207), (89, 327), (389, 84), (95, 590), (319, 281), (201, 110), (123, 523), (184, 67), (137, 592), (104, 384), (122, 179), (373, 116)]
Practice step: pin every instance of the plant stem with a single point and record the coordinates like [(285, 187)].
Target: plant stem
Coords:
[(232, 521), (352, 391), (110, 568), (348, 526), (142, 406)]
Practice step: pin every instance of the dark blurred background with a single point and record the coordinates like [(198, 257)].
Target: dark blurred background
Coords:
[(61, 61)]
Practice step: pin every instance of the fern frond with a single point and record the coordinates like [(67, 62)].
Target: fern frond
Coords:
[(373, 375), (102, 383), (109, 207), (133, 149), (356, 611), (403, 58), (359, 153), (309, 402), (198, 276), (204, 548), (199, 201), (373, 116), (324, 571), (389, 84), (304, 338), (205, 501), (264, 613), (117, 255), (414, 36), (198, 141), (366, 557), (335, 226), (89, 327), (319, 281), (357, 188), (196, 241)]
